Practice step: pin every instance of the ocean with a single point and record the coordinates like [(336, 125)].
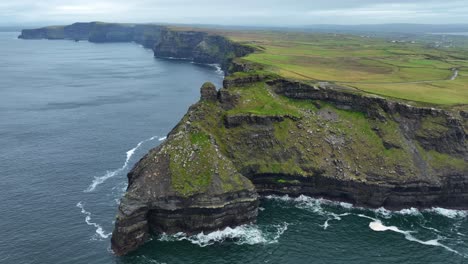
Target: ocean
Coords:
[(76, 116)]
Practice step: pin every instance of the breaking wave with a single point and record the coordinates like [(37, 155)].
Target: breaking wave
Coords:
[(109, 174), (323, 207), (378, 226), (317, 205), (241, 235), (218, 68), (99, 230)]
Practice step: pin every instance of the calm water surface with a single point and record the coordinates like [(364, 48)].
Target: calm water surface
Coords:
[(74, 118)]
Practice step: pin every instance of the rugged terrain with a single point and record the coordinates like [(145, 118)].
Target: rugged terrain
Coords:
[(262, 133)]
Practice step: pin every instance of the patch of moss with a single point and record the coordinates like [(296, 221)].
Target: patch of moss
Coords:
[(196, 157), (258, 99), (432, 127), (440, 161), (190, 163), (283, 181)]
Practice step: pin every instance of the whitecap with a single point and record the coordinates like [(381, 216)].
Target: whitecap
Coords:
[(162, 138), (99, 230), (109, 174), (245, 234)]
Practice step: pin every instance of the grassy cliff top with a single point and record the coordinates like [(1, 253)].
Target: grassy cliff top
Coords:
[(409, 70)]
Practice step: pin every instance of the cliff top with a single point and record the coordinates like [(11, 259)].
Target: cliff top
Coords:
[(410, 70)]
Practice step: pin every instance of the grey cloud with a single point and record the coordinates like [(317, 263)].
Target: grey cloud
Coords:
[(240, 12)]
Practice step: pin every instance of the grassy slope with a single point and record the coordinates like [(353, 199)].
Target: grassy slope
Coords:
[(409, 71)]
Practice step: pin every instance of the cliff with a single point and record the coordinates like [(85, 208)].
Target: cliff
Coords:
[(186, 184), (262, 134), (286, 137), (196, 46)]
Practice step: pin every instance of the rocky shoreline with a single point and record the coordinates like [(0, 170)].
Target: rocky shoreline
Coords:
[(261, 134)]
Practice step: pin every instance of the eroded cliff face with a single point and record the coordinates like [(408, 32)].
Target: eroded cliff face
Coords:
[(326, 142)]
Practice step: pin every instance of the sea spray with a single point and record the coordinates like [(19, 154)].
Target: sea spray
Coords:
[(241, 235), (99, 230)]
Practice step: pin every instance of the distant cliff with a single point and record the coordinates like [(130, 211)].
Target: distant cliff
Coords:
[(196, 46)]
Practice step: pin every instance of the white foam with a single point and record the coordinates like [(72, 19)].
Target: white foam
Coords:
[(218, 68), (99, 230), (315, 205), (245, 234), (388, 213), (450, 213), (333, 216), (109, 174), (378, 226), (162, 138)]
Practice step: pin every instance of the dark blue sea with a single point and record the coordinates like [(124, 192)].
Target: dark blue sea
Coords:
[(76, 116)]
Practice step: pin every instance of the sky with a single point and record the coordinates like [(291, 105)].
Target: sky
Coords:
[(235, 12)]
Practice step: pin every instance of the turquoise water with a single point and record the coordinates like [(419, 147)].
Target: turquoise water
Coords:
[(74, 118)]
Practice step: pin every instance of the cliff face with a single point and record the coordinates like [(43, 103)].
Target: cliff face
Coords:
[(366, 150), (197, 46), (98, 32)]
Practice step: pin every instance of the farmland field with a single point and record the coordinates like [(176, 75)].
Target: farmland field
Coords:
[(409, 70)]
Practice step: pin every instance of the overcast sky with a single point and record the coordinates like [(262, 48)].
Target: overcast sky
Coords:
[(235, 12)]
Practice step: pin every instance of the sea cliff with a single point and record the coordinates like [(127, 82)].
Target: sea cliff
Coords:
[(262, 134), (196, 46)]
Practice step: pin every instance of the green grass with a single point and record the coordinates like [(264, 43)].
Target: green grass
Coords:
[(257, 99), (406, 71)]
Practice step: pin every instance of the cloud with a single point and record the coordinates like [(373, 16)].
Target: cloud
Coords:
[(240, 12)]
